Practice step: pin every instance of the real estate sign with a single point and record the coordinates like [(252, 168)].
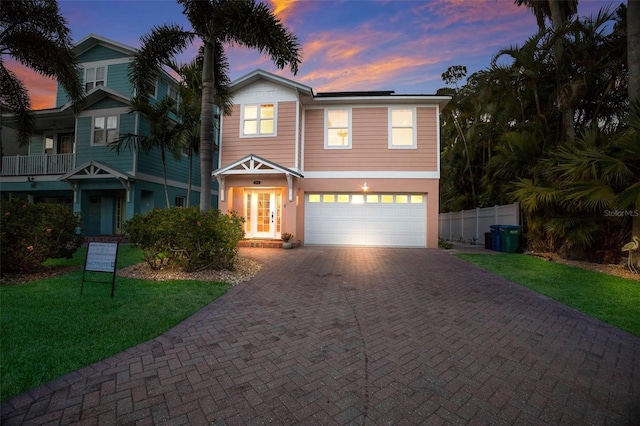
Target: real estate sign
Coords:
[(101, 257)]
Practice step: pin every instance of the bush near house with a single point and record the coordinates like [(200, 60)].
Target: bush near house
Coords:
[(187, 238), (32, 233)]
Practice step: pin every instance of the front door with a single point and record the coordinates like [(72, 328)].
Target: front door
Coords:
[(262, 212), (119, 212)]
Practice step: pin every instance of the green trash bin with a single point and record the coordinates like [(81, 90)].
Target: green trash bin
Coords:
[(510, 235)]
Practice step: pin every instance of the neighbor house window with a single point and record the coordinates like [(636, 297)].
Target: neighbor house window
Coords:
[(179, 201), (402, 129), (337, 128), (105, 129), (94, 77), (173, 94), (259, 120), (48, 144)]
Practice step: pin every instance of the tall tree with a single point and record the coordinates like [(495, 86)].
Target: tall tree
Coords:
[(189, 108), (34, 33), (633, 62), (559, 13), (215, 23), (163, 134)]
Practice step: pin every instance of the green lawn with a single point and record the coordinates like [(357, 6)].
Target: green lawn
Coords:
[(49, 330), (611, 299)]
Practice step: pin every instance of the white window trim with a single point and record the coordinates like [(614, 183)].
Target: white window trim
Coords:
[(154, 94), (259, 135), (104, 115), (349, 128), (95, 67), (414, 128)]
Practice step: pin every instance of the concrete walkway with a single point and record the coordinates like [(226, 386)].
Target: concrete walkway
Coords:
[(360, 336)]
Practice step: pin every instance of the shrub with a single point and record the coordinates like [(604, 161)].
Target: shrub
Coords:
[(32, 233), (187, 238)]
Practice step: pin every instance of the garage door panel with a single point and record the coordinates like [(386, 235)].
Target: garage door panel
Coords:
[(395, 222)]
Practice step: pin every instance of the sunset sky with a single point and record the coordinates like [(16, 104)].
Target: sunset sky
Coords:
[(347, 45)]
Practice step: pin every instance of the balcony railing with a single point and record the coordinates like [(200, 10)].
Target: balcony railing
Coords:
[(30, 165)]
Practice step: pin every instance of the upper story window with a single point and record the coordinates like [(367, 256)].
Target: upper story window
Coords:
[(402, 128), (94, 77), (173, 93), (337, 128), (154, 91), (259, 120), (105, 129)]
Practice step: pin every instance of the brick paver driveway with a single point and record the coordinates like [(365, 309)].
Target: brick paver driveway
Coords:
[(360, 336)]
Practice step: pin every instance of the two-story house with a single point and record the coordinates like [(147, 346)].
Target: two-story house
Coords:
[(348, 168), (69, 159)]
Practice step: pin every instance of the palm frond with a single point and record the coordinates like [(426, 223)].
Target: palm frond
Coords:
[(535, 197), (158, 48), (252, 24), (578, 230), (591, 196), (36, 35), (14, 99)]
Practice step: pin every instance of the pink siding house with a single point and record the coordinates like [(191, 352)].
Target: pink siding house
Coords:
[(347, 168)]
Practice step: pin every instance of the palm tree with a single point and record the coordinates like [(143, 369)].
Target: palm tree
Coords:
[(35, 34), (560, 14), (163, 133), (215, 23), (189, 108)]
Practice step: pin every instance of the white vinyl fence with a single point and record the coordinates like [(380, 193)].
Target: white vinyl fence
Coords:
[(472, 224)]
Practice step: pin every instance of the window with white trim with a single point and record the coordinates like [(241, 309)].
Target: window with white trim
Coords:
[(259, 120), (94, 77), (337, 133), (105, 129), (173, 94), (402, 128)]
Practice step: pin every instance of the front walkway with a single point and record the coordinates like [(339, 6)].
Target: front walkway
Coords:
[(360, 336)]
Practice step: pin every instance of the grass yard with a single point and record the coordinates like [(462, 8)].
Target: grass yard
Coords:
[(49, 330), (611, 299)]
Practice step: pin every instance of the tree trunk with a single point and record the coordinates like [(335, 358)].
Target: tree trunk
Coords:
[(164, 176), (633, 48), (206, 127), (633, 58), (190, 178)]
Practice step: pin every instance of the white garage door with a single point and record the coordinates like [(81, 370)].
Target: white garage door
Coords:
[(393, 220)]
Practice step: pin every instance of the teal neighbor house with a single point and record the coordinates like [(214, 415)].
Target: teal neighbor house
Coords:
[(69, 160)]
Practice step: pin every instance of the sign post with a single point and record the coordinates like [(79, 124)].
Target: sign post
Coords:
[(101, 257)]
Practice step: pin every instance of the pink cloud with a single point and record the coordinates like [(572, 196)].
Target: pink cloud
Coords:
[(42, 90)]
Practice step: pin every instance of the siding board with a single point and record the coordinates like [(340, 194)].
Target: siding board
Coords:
[(279, 149), (370, 150)]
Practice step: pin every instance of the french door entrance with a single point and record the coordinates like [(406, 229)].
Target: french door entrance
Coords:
[(263, 213)]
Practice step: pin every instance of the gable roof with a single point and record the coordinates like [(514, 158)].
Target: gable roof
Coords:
[(259, 74), (254, 165), (95, 170), (339, 98), (93, 40)]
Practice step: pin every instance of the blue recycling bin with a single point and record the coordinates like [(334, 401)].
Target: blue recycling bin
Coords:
[(496, 238)]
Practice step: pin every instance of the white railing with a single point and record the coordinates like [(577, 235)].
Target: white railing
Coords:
[(472, 224), (30, 165)]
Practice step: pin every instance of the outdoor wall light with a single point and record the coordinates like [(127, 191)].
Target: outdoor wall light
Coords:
[(365, 187)]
